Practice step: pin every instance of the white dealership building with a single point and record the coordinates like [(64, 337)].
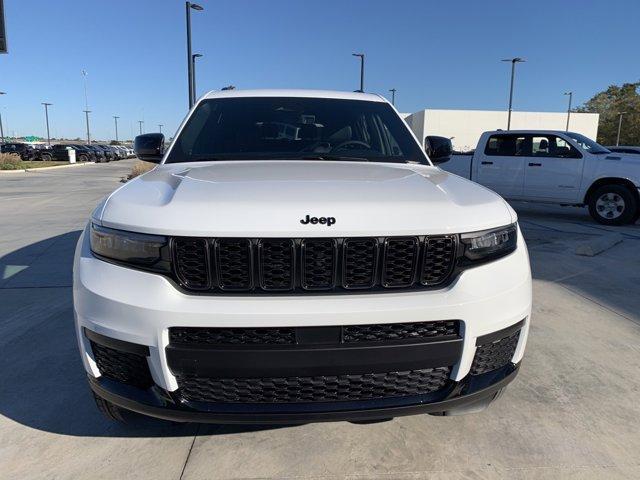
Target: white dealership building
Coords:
[(464, 127)]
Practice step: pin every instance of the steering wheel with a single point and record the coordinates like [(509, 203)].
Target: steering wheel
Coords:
[(356, 143)]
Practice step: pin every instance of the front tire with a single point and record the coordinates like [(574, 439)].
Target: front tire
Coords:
[(109, 410), (613, 205)]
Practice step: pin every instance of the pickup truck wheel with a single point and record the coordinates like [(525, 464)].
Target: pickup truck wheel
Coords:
[(613, 205), (108, 409)]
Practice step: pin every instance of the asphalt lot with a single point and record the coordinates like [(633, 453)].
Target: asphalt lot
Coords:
[(573, 412)]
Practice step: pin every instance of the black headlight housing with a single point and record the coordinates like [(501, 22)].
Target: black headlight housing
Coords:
[(140, 250), (486, 245)]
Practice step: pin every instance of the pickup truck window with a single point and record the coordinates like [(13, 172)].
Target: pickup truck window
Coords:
[(587, 144), (506, 145), (552, 146), (272, 128)]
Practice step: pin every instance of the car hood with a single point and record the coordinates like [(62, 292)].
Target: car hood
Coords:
[(270, 198)]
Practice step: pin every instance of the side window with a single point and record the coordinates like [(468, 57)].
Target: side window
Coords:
[(508, 146), (553, 146)]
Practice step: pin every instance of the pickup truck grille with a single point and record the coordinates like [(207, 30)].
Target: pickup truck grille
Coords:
[(311, 265)]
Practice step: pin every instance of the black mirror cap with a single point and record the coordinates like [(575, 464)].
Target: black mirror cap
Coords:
[(439, 149), (149, 147)]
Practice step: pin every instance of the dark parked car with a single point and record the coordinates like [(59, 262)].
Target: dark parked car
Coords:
[(100, 153), (83, 154), (26, 151), (109, 154)]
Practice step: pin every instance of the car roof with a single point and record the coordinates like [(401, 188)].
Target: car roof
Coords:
[(370, 97)]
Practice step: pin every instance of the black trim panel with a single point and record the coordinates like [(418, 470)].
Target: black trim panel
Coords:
[(116, 344), (500, 334), (280, 361)]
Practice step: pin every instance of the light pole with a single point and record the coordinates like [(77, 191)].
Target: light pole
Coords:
[(619, 128), (393, 96), (115, 118), (86, 106), (569, 108), (1, 130), (188, 7), (193, 75), (46, 116), (86, 114), (361, 55), (160, 127), (513, 74), (140, 122)]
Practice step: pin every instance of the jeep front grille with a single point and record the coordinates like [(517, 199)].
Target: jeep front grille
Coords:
[(272, 265)]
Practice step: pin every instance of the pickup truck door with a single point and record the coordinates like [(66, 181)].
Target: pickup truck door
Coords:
[(553, 169), (501, 166)]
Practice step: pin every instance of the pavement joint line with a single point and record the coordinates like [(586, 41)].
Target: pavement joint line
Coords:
[(186, 460)]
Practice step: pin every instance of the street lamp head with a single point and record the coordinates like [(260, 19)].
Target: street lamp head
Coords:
[(514, 60), (3, 93), (197, 7), (568, 93), (47, 104), (196, 55), (361, 55)]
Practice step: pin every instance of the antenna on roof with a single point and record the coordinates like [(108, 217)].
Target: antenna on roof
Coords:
[(229, 87)]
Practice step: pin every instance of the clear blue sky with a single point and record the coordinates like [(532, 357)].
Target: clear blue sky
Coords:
[(437, 54)]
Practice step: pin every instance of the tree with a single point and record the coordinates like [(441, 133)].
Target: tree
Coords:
[(609, 104)]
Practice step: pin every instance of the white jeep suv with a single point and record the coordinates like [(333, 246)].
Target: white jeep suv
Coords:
[(297, 257)]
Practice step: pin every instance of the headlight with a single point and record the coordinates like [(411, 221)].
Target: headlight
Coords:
[(127, 247), (490, 244)]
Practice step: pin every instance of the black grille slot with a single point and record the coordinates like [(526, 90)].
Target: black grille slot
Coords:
[(233, 262), (360, 262), (438, 261), (494, 355), (400, 331), (319, 264), (232, 336), (191, 262), (400, 260), (314, 389), (277, 263), (122, 367)]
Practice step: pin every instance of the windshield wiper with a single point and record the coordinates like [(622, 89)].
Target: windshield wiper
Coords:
[(333, 158)]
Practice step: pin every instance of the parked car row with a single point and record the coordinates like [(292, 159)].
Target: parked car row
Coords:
[(84, 153)]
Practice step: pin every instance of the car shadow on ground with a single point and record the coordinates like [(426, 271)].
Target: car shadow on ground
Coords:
[(42, 381)]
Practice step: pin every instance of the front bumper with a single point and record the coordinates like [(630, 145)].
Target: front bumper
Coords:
[(139, 308)]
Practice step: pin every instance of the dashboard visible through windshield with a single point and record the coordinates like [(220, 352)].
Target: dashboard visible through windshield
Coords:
[(275, 128)]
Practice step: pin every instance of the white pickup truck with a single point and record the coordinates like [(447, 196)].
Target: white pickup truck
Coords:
[(555, 167)]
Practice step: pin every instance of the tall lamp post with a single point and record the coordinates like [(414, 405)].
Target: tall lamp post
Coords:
[(140, 123), (188, 7), (361, 55), (513, 74), (619, 127), (115, 119), (569, 108), (46, 116), (86, 106), (160, 127), (393, 96), (193, 75), (1, 129)]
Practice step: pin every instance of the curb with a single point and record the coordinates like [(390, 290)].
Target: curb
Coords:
[(45, 168)]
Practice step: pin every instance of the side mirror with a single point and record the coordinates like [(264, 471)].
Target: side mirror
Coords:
[(439, 149), (149, 147)]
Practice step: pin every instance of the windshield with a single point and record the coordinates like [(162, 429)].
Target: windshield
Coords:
[(270, 128), (587, 144)]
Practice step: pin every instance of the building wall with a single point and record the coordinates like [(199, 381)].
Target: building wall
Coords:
[(466, 126)]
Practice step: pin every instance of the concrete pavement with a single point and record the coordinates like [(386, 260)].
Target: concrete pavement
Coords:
[(571, 413)]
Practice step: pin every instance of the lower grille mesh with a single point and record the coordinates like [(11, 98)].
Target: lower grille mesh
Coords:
[(494, 355), (123, 367), (314, 389)]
